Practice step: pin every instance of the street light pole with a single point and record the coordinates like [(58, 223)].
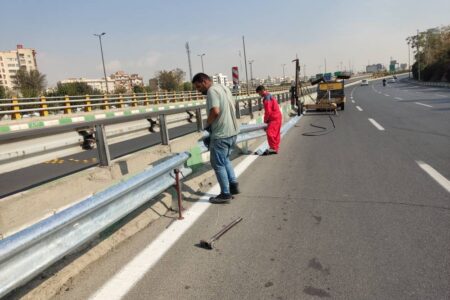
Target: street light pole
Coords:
[(283, 70), (201, 58), (250, 62), (418, 55), (103, 60)]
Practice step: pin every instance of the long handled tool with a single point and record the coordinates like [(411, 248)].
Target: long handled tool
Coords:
[(210, 243)]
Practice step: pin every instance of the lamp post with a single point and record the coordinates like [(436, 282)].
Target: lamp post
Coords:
[(103, 60), (283, 65), (250, 62), (201, 58)]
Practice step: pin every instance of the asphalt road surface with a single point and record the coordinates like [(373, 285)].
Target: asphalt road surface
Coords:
[(350, 211)]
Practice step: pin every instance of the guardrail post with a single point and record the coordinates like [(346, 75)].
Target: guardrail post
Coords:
[(178, 189), (146, 102), (67, 110), (164, 130), (105, 102), (166, 97), (238, 110), (88, 106), (16, 107), (250, 108), (198, 116), (134, 103), (44, 105), (121, 101), (102, 145)]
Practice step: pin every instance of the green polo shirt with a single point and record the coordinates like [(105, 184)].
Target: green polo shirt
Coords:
[(225, 125)]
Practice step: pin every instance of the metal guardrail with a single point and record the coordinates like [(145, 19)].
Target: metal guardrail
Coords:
[(161, 115), (43, 106), (30, 251)]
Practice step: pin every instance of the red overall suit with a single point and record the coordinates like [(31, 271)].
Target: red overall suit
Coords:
[(273, 118)]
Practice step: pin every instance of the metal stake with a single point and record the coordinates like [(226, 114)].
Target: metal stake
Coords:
[(102, 145), (178, 188), (164, 130)]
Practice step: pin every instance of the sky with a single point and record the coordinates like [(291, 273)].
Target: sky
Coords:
[(146, 36)]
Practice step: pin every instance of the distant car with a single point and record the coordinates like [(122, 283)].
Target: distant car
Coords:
[(391, 80), (364, 82)]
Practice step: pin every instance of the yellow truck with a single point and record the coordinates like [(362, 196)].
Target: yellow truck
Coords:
[(330, 96)]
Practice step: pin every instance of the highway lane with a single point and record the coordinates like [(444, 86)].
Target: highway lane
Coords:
[(345, 214)]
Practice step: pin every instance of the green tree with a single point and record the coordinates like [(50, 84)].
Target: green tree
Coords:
[(74, 89), (138, 89), (171, 80), (120, 90), (30, 83), (187, 86), (148, 89), (2, 92)]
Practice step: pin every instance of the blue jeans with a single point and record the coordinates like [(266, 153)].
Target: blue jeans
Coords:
[(220, 150)]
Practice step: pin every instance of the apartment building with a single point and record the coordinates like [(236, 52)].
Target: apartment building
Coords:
[(221, 79), (11, 61), (97, 84), (117, 80)]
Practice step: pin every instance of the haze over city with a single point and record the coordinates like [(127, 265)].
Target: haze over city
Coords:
[(147, 36)]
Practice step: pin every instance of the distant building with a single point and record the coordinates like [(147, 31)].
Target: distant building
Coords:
[(97, 84), (115, 81), (122, 79), (221, 79), (403, 67), (12, 61), (374, 68)]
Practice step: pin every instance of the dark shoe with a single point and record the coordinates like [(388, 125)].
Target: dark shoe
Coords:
[(269, 152), (221, 198), (234, 188)]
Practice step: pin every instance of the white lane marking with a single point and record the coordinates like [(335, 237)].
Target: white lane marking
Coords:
[(435, 175), (353, 101), (418, 103), (398, 98), (439, 95), (351, 94), (124, 280), (359, 108), (387, 95), (375, 123)]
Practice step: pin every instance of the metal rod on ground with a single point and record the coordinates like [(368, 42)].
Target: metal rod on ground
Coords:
[(102, 145), (178, 188), (210, 243)]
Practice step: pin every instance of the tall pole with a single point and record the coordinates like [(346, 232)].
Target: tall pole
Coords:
[(201, 58), (189, 60), (103, 60), (418, 55), (409, 60), (304, 72), (245, 60), (283, 70), (250, 62), (325, 60)]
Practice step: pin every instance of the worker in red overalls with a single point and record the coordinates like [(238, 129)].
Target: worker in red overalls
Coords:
[(273, 118)]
